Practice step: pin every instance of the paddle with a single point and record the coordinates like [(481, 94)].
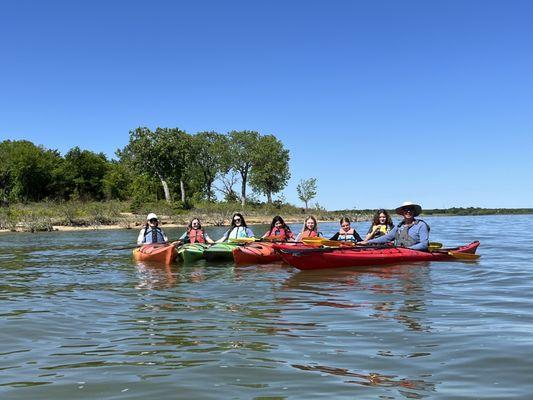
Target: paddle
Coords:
[(135, 246), (243, 240), (336, 248), (458, 254), (318, 241)]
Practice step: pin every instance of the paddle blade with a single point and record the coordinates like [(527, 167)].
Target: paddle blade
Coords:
[(463, 256), (242, 240), (434, 246)]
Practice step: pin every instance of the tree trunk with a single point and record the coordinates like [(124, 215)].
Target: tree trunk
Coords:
[(243, 189), (167, 192), (306, 206), (269, 197), (208, 185), (182, 188)]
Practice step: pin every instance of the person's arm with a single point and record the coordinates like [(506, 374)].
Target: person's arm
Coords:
[(164, 236), (357, 236), (371, 233), (224, 237), (208, 239), (335, 236), (140, 238), (249, 233), (423, 235), (385, 238), (265, 235)]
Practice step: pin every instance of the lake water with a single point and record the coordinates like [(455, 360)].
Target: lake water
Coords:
[(77, 321)]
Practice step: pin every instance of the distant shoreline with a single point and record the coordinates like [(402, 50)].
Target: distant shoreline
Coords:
[(136, 221)]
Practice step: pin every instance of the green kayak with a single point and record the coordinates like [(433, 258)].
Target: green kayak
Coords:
[(220, 252), (190, 252)]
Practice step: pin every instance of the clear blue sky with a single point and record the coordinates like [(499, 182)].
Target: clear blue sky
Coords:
[(382, 102)]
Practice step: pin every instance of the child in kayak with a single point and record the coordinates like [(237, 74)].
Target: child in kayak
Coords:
[(151, 233), (237, 230), (310, 229), (195, 233), (346, 233), (381, 225), (411, 233), (279, 230)]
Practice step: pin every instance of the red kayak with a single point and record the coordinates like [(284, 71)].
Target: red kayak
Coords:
[(162, 253), (255, 253), (305, 257)]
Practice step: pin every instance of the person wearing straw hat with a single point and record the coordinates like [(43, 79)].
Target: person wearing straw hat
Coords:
[(411, 233)]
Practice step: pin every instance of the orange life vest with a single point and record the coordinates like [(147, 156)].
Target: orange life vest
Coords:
[(196, 236), (281, 233), (308, 233)]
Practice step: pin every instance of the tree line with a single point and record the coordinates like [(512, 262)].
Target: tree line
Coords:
[(165, 163)]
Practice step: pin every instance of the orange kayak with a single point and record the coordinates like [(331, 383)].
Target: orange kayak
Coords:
[(162, 253), (255, 253)]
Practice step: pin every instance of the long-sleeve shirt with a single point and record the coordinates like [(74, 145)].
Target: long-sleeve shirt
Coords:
[(236, 233), (418, 232)]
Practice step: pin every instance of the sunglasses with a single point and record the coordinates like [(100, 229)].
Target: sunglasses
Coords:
[(237, 219), (153, 220)]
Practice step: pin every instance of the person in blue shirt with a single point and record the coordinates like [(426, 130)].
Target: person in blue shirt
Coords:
[(411, 233), (151, 233), (237, 230)]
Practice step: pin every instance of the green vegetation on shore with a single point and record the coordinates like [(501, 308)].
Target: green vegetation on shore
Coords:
[(44, 216)]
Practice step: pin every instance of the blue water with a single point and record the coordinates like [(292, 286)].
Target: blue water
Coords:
[(79, 321)]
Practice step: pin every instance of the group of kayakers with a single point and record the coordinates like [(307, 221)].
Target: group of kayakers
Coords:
[(411, 232)]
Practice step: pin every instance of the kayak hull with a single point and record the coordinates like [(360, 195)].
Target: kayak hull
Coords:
[(220, 252), (362, 257), (191, 252), (165, 254), (256, 253)]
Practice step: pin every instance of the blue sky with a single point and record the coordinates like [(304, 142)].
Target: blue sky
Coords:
[(382, 102)]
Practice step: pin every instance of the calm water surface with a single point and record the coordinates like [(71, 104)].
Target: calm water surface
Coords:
[(77, 321)]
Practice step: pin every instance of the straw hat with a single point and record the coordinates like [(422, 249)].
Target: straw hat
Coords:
[(407, 204)]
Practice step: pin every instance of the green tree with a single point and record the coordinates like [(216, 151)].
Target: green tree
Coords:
[(162, 154), (307, 190), (270, 172), (117, 181), (207, 157), (240, 155), (27, 171), (83, 172)]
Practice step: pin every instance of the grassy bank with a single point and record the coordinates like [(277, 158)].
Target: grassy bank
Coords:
[(48, 216)]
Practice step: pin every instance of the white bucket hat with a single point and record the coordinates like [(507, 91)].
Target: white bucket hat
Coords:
[(151, 216), (408, 204)]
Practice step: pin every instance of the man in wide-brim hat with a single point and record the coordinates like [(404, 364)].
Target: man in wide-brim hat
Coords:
[(411, 232), (407, 205)]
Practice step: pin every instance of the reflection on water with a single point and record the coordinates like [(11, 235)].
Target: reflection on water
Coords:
[(79, 320)]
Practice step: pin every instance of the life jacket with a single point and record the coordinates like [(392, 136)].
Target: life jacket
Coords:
[(153, 235), (281, 233), (402, 238), (379, 230), (347, 236), (238, 232), (308, 233), (196, 236)]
